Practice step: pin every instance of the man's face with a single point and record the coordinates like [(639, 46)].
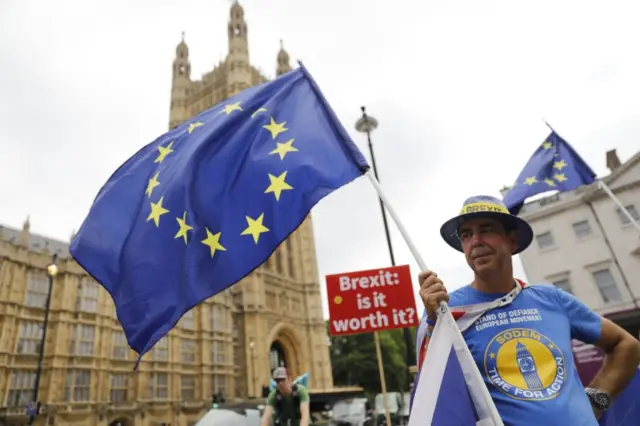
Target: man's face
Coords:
[(486, 244), (284, 385)]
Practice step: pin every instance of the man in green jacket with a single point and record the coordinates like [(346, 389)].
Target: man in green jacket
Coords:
[(288, 403)]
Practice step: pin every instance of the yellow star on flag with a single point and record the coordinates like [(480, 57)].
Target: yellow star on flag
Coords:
[(278, 185), (275, 128), (560, 177), (192, 126), (153, 182), (559, 165), (531, 180), (164, 151), (213, 242), (549, 182), (284, 148), (337, 300), (255, 227), (258, 111), (547, 145), (184, 227), (156, 211), (228, 109)]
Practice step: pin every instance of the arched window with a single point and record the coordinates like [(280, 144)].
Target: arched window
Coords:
[(276, 356), (290, 257), (279, 261)]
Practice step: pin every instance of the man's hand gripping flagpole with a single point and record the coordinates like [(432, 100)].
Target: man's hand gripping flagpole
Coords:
[(483, 403)]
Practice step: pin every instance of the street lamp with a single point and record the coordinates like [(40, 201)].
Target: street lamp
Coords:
[(367, 124), (253, 368), (34, 408)]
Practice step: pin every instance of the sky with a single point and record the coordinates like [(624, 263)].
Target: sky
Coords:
[(460, 89)]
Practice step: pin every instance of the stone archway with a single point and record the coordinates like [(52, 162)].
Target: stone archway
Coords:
[(121, 421), (277, 356), (286, 347)]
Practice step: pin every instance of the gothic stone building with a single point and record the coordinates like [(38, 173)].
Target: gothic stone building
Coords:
[(228, 344)]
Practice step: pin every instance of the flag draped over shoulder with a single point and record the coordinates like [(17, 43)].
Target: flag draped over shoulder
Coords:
[(555, 165), (456, 393), (202, 206), (449, 387)]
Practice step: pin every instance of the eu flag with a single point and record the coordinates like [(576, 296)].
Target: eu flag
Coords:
[(202, 206), (554, 166)]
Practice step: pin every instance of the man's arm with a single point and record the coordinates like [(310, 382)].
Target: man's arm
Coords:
[(621, 362), (266, 416), (305, 418), (622, 350), (268, 410)]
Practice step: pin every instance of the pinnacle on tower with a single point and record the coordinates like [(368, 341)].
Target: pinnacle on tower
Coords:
[(181, 81), (282, 65), (238, 41), (24, 235)]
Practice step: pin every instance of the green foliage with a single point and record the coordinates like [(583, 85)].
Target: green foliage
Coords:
[(354, 361)]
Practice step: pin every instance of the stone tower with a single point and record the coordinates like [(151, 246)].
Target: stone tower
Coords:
[(277, 310)]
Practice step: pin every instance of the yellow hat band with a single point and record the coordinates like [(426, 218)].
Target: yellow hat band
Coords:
[(483, 207)]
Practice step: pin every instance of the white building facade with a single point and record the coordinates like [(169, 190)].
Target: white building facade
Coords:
[(585, 244)]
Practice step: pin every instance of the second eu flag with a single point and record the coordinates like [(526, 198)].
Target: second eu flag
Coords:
[(554, 166), (205, 204)]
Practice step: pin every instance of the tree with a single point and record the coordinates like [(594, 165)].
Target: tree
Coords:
[(355, 363)]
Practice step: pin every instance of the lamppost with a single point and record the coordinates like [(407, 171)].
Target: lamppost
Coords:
[(34, 409), (367, 124), (253, 368)]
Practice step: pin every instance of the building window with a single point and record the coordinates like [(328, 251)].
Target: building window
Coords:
[(237, 355), (119, 387), (158, 386), (563, 284), (218, 384), (82, 340), (235, 328), (37, 289), (119, 346), (279, 261), (188, 350), (87, 299), (545, 240), (29, 338), (218, 353), (20, 388), (290, 257), (582, 229), (632, 211), (187, 387), (78, 386), (160, 351), (219, 317), (607, 286), (188, 320)]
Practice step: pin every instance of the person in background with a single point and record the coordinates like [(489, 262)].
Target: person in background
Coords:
[(288, 403)]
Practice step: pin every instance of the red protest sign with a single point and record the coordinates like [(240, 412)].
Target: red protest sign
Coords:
[(372, 300)]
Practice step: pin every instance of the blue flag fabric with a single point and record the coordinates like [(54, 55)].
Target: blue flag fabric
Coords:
[(202, 206), (555, 165)]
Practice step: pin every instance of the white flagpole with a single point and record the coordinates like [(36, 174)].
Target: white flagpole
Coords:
[(615, 199), (485, 406)]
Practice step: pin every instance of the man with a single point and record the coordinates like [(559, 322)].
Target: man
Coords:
[(288, 403), (521, 343)]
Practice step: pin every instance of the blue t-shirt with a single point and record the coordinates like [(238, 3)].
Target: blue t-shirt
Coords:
[(523, 351)]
